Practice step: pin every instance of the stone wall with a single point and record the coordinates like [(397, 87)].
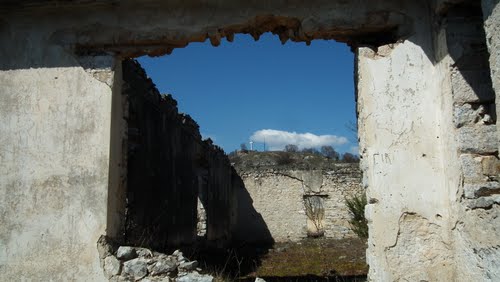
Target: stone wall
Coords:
[(170, 171), (285, 200), (470, 30), (491, 17)]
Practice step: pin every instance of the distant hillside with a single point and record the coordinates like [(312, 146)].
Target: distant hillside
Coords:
[(247, 160)]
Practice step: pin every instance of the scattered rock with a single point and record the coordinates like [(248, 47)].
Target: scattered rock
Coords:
[(143, 252), (137, 268), (141, 264), (112, 266), (188, 266), (280, 249), (195, 277), (180, 256), (158, 279), (181, 259), (126, 253), (164, 266), (104, 247)]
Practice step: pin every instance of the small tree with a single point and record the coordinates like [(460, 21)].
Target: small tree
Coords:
[(310, 151), (329, 152), (315, 211), (350, 158), (358, 222), (233, 154), (243, 147), (284, 158), (291, 148)]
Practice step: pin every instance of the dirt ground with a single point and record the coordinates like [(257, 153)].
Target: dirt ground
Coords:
[(307, 260), (320, 258)]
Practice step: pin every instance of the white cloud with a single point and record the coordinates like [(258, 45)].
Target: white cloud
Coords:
[(278, 139)]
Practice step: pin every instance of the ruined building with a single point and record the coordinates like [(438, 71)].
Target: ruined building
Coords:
[(295, 200), (427, 91), (181, 190)]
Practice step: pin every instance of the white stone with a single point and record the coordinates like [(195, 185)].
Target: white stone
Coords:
[(464, 92), (484, 202), (195, 277), (476, 190), (163, 266), (479, 168), (188, 266), (137, 268), (112, 266), (478, 139), (143, 252), (466, 115), (126, 253)]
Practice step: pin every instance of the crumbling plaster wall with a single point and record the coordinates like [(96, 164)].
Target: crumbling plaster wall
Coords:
[(54, 160), (407, 169), (439, 221), (55, 108), (278, 197)]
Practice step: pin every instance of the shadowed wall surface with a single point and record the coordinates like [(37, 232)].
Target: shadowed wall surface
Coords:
[(170, 169)]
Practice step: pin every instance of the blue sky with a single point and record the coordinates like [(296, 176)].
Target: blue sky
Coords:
[(247, 90)]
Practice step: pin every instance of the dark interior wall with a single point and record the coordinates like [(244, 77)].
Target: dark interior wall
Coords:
[(219, 194), (169, 168)]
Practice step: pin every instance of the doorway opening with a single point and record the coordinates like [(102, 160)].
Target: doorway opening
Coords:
[(263, 103)]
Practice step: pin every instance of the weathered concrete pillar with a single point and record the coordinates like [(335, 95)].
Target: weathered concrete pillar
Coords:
[(55, 110), (429, 148), (405, 143)]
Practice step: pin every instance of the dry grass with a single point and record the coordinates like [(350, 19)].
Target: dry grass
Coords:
[(317, 257)]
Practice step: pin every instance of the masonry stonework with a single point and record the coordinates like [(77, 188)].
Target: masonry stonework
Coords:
[(426, 125), (280, 195)]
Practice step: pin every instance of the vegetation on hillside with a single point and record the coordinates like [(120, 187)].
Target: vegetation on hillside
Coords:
[(291, 157)]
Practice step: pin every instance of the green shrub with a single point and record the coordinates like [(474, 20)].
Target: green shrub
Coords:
[(284, 158), (358, 222)]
